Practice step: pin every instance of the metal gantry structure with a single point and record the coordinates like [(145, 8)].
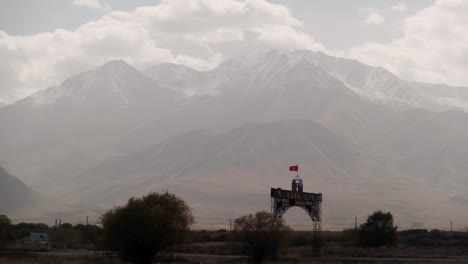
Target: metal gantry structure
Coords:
[(282, 200)]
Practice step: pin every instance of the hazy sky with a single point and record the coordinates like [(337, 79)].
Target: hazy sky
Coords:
[(44, 42)]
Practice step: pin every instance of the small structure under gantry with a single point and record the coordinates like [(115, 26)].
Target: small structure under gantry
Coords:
[(282, 200)]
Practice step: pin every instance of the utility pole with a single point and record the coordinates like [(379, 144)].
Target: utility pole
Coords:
[(451, 227), (230, 224), (87, 221), (355, 223), (55, 223)]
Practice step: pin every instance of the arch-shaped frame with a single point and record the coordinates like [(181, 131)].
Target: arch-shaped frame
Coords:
[(282, 200)]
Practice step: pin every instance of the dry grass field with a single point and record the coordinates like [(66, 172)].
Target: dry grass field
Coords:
[(414, 246), (49, 260), (54, 260)]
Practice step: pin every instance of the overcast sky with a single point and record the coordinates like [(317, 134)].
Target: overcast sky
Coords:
[(44, 42)]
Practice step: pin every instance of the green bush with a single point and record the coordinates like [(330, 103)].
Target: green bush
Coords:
[(145, 226), (262, 235), (378, 230)]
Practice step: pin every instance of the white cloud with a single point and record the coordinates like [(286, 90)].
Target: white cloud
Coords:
[(374, 19), (198, 33), (433, 48), (399, 7), (92, 4)]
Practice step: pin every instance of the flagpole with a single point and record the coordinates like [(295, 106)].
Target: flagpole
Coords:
[(297, 172)]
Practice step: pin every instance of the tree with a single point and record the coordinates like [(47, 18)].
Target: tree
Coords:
[(90, 233), (5, 227), (262, 235), (378, 230), (145, 226), (5, 222), (66, 226)]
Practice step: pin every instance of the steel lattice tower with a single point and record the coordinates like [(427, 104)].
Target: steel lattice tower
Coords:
[(282, 200)]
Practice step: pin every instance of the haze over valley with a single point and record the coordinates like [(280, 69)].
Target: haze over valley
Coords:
[(215, 100), (363, 137)]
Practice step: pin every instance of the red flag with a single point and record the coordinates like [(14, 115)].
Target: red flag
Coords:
[(294, 168)]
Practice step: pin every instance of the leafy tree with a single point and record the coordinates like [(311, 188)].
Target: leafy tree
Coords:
[(262, 235), (5, 222), (90, 233), (5, 227), (66, 226), (378, 230), (145, 226), (32, 227)]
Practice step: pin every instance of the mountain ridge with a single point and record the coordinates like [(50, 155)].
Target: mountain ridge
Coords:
[(187, 130), (374, 83)]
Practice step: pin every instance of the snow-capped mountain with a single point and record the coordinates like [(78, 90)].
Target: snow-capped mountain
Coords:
[(114, 84), (382, 86), (374, 83), (73, 124), (2, 104), (184, 80), (456, 97), (115, 126)]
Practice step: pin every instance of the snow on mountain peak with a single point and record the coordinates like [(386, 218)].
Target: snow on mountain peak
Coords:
[(252, 74), (115, 81), (118, 82)]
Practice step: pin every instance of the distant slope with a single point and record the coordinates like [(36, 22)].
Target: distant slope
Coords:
[(435, 149), (14, 194), (231, 173), (271, 87), (64, 129), (456, 97)]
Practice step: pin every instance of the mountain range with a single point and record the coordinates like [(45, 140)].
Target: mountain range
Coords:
[(363, 137)]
